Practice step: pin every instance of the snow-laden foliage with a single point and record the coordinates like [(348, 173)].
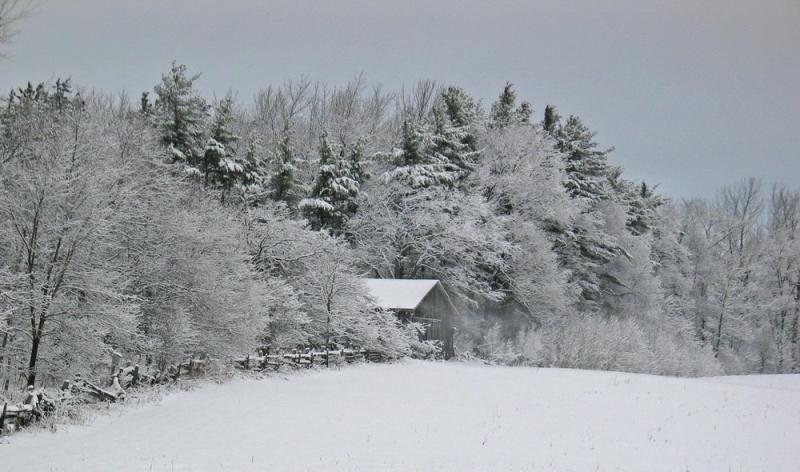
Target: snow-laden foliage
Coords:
[(181, 115), (324, 302), (340, 308), (506, 112), (283, 185), (116, 252), (431, 234), (430, 154), (337, 187), (168, 231)]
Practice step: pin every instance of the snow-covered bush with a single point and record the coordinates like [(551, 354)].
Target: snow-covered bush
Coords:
[(497, 349), (587, 342)]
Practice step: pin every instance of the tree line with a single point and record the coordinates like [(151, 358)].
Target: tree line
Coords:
[(172, 225)]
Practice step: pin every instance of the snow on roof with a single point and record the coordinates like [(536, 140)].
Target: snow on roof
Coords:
[(398, 294)]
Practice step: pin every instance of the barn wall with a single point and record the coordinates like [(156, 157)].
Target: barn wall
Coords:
[(437, 305)]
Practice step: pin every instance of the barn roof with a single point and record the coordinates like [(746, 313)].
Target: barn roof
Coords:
[(399, 294)]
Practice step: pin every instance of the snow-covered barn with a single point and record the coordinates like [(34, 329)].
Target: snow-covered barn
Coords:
[(423, 301)]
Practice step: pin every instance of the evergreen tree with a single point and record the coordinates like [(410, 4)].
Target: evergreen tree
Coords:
[(462, 111), (223, 121), (253, 167), (502, 109), (431, 154), (332, 200), (551, 119), (30, 93), (182, 114), (41, 98), (282, 181), (640, 200), (62, 92), (411, 145), (598, 247), (504, 112), (356, 153), (592, 240), (145, 107), (213, 153), (219, 159), (587, 167)]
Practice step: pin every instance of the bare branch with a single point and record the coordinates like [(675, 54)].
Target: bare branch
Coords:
[(11, 13)]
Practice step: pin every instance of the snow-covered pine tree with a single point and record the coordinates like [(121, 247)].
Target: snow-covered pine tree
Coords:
[(145, 106), (354, 161), (220, 163), (282, 181), (62, 94), (221, 126), (181, 115), (551, 118), (431, 154), (587, 244), (587, 167), (505, 112), (640, 200), (454, 142), (29, 100), (335, 190), (462, 111), (213, 152), (253, 176)]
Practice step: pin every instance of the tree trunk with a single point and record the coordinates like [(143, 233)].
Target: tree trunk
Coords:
[(328, 341), (3, 350), (719, 324), (5, 364), (796, 328), (36, 339), (328, 334), (32, 362), (780, 337)]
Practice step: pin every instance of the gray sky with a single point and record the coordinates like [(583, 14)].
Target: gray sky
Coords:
[(693, 94)]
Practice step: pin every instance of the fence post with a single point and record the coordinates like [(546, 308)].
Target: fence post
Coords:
[(3, 418), (115, 359)]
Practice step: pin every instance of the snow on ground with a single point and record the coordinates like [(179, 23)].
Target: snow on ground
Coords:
[(423, 416)]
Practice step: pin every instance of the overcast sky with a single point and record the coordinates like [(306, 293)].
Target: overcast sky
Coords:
[(693, 94)]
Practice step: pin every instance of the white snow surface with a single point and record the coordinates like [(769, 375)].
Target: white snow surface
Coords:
[(427, 416), (399, 294)]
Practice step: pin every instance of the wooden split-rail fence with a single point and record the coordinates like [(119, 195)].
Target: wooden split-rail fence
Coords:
[(305, 359), (13, 415), (83, 391)]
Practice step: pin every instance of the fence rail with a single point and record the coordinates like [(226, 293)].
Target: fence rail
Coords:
[(306, 358)]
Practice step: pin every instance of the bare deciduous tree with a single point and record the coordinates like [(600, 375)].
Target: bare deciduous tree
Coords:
[(11, 12)]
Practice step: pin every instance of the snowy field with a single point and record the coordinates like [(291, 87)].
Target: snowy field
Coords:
[(419, 416)]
